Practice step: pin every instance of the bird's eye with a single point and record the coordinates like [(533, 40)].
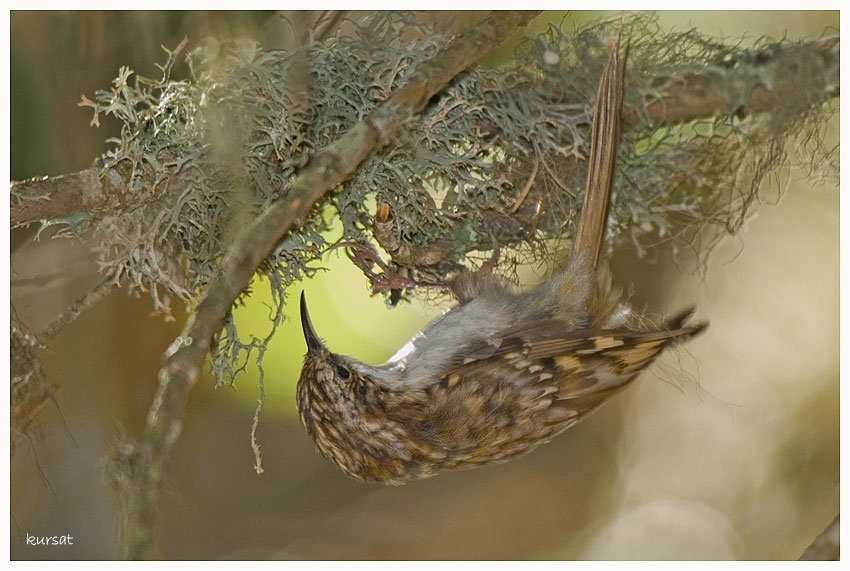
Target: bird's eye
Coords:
[(343, 372)]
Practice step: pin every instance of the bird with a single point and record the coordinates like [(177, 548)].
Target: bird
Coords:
[(503, 371)]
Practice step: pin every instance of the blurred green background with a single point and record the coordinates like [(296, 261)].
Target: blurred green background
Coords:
[(739, 462)]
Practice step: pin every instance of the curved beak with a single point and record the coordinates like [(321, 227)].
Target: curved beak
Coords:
[(314, 344)]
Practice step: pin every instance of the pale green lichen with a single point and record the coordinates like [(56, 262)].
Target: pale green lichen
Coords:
[(214, 149)]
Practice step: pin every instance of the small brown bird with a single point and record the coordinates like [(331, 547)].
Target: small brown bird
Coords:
[(499, 374)]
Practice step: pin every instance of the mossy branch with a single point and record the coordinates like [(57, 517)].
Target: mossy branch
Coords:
[(141, 466), (678, 99)]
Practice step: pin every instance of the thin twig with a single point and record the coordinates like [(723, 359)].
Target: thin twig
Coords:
[(327, 22), (552, 174), (528, 184), (255, 444), (89, 300)]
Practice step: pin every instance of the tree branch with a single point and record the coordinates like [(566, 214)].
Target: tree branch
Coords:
[(140, 467), (702, 95), (48, 197), (714, 92), (827, 545)]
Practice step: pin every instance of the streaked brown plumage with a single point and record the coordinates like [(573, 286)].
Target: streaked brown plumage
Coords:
[(499, 374)]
